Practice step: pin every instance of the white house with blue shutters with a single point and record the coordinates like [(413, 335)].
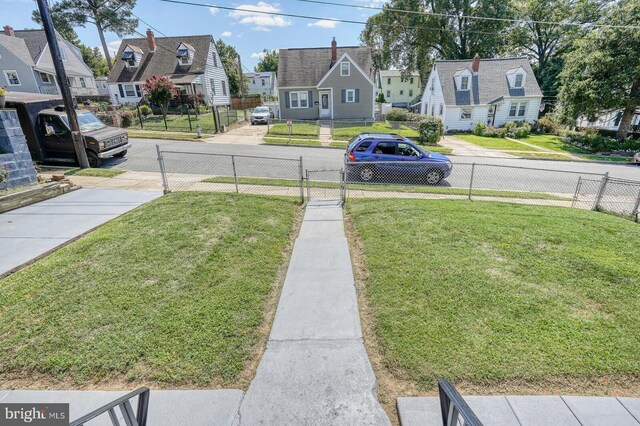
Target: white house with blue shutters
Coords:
[(192, 63)]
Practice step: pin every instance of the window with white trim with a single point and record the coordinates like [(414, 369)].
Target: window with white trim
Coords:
[(411, 93), (518, 109), (212, 82), (465, 113), (299, 99), (441, 109), (401, 92), (224, 87), (464, 82), (388, 80), (388, 93), (129, 90), (518, 81), (345, 69), (12, 78), (411, 80), (350, 95), (46, 78)]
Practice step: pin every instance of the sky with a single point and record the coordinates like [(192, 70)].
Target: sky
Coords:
[(248, 32)]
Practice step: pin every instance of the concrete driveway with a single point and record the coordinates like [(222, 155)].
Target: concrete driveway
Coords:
[(32, 231)]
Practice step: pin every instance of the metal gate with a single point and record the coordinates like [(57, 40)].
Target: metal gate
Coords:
[(586, 195), (325, 185)]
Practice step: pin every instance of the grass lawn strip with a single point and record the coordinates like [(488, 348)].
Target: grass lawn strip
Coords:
[(299, 129), (286, 141), (107, 173), (523, 293), (390, 188), (612, 159), (494, 143), (346, 133), (553, 143), (541, 155), (172, 293), (166, 135)]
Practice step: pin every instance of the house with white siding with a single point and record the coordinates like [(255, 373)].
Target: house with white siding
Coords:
[(399, 90), (490, 91), (262, 83), (192, 63)]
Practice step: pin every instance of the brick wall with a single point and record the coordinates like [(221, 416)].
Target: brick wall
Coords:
[(14, 152)]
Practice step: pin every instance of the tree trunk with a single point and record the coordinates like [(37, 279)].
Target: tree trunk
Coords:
[(105, 48), (628, 113)]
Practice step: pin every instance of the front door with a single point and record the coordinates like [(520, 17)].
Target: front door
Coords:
[(325, 105)]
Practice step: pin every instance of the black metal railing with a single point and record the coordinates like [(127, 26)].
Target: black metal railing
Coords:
[(130, 418), (454, 407)]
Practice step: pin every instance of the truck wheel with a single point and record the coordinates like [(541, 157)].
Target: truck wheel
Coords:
[(94, 161), (121, 154)]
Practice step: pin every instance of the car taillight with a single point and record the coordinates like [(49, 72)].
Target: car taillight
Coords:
[(352, 157)]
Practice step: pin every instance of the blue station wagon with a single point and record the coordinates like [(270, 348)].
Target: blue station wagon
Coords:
[(382, 157)]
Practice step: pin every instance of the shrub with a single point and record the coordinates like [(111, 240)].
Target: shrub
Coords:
[(517, 129), (126, 118), (547, 126), (430, 129), (479, 129), (145, 110), (591, 141), (494, 132), (397, 114), (105, 118)]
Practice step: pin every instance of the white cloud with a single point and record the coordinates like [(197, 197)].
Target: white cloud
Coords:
[(226, 34), (250, 15), (112, 46), (323, 23), (213, 10), (257, 55)]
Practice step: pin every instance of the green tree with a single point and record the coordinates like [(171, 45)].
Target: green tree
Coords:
[(112, 15), (160, 91), (546, 44), (94, 60), (603, 72), (409, 41), (229, 56), (380, 99), (269, 61)]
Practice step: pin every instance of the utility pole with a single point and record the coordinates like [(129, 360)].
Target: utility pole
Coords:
[(241, 86), (61, 75)]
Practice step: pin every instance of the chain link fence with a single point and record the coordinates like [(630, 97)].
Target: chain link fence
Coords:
[(197, 171)]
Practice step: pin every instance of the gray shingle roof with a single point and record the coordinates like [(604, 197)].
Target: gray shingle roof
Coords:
[(18, 47), (306, 67), (36, 41), (489, 84), (163, 61)]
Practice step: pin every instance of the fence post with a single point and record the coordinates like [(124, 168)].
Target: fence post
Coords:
[(301, 179), (575, 194), (140, 117), (189, 118), (235, 175), (636, 207), (473, 168), (163, 173), (308, 190), (600, 194), (216, 118), (164, 117)]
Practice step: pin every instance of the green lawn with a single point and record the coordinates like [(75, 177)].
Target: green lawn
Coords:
[(311, 142), (390, 188), (486, 292), (180, 123), (108, 173), (297, 130), (494, 143), (173, 293), (440, 149), (338, 144), (541, 155), (552, 142), (610, 158), (346, 133), (165, 135)]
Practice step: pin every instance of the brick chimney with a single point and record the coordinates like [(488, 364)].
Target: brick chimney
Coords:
[(476, 64), (151, 39), (8, 30), (334, 53)]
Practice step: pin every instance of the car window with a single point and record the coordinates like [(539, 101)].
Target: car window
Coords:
[(407, 150), (363, 147), (55, 123), (386, 148)]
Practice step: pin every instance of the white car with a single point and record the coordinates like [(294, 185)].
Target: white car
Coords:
[(636, 158), (260, 115)]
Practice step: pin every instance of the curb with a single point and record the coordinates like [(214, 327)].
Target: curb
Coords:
[(301, 146)]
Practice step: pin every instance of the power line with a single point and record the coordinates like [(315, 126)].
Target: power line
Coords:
[(485, 18), (148, 24)]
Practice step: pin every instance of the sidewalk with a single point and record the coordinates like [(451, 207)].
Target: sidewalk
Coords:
[(315, 369)]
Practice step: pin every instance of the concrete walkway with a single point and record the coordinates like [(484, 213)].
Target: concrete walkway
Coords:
[(325, 133), (315, 369), (32, 231), (529, 410)]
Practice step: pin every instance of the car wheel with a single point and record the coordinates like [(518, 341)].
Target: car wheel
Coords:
[(94, 161), (434, 176), (121, 154), (366, 173)]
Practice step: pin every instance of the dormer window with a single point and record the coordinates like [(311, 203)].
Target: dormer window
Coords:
[(185, 53), (131, 56), (518, 82), (464, 83)]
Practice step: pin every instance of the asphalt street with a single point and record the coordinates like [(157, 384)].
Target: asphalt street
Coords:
[(511, 175)]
